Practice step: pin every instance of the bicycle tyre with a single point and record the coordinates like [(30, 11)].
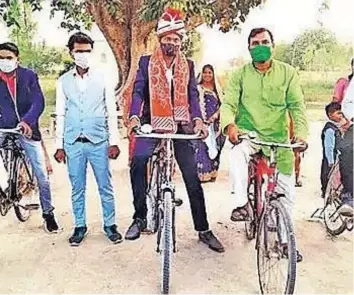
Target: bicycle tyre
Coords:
[(16, 173), (167, 238), (152, 202), (292, 255), (250, 222), (329, 200)]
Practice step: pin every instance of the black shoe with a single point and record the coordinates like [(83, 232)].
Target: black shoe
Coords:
[(78, 236), (50, 225), (113, 235), (299, 257), (209, 239), (135, 229)]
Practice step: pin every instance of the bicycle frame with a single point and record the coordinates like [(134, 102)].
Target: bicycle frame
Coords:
[(259, 169), (164, 161)]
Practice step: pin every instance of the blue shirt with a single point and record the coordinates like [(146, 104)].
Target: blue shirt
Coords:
[(330, 144)]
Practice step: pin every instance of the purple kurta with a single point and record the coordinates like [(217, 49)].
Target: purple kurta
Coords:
[(208, 168)]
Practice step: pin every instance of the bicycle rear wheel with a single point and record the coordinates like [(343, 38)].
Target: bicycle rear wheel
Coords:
[(167, 243), (276, 269), (335, 223)]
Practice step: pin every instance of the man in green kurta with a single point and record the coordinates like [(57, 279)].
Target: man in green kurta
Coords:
[(260, 97)]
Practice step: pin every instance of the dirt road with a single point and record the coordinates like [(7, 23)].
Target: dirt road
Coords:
[(34, 262)]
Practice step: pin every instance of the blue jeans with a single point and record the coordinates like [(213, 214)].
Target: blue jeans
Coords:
[(35, 154), (78, 155)]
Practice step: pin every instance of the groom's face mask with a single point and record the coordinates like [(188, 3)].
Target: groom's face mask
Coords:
[(170, 44)]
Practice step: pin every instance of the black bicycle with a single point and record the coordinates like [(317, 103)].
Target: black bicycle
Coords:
[(161, 201), (21, 182)]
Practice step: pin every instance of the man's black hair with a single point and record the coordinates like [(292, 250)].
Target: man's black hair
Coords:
[(257, 31), (9, 46), (80, 38), (333, 107)]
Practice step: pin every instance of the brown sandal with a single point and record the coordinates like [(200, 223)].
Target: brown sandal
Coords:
[(239, 214)]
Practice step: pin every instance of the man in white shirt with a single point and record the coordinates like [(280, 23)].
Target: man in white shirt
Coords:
[(87, 132), (346, 153)]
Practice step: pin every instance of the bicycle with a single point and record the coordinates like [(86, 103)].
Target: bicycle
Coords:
[(161, 200), (269, 222), (335, 222), (21, 181)]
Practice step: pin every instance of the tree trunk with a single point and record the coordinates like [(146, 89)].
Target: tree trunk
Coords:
[(128, 40)]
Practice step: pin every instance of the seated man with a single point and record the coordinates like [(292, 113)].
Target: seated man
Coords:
[(21, 104), (259, 98), (346, 153), (165, 96)]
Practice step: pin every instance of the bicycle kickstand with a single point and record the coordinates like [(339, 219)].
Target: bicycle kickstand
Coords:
[(318, 213)]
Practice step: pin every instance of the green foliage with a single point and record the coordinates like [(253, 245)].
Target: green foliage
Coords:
[(315, 50), (228, 14), (192, 44), (10, 10), (48, 87), (75, 14), (283, 52), (312, 42), (43, 59)]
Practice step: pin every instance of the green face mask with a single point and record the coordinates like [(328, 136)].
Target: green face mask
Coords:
[(261, 53)]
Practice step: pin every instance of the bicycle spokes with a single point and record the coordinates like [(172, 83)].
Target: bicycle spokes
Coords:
[(276, 253)]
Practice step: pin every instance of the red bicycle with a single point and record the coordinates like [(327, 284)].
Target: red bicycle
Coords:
[(269, 222)]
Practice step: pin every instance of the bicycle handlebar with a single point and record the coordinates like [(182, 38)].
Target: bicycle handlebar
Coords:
[(17, 131), (167, 135), (252, 138), (145, 131)]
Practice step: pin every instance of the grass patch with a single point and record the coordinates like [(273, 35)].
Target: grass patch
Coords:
[(48, 88), (319, 86)]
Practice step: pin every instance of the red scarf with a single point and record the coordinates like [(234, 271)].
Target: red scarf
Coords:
[(164, 115)]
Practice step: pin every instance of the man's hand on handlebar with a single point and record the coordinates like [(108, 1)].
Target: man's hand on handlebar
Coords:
[(133, 125), (233, 133), (302, 142), (200, 128), (25, 129)]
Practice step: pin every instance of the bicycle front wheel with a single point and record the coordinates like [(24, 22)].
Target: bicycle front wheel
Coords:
[(152, 200), (22, 188), (167, 242), (276, 251)]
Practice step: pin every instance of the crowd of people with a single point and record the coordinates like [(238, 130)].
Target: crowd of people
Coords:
[(264, 96)]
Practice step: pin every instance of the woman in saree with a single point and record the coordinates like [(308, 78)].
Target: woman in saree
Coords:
[(208, 151)]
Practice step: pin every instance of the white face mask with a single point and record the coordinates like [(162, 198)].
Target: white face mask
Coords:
[(83, 59), (8, 65)]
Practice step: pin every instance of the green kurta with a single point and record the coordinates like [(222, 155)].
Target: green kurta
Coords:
[(262, 102)]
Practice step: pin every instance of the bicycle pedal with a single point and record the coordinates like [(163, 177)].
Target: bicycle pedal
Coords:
[(178, 202), (32, 207)]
